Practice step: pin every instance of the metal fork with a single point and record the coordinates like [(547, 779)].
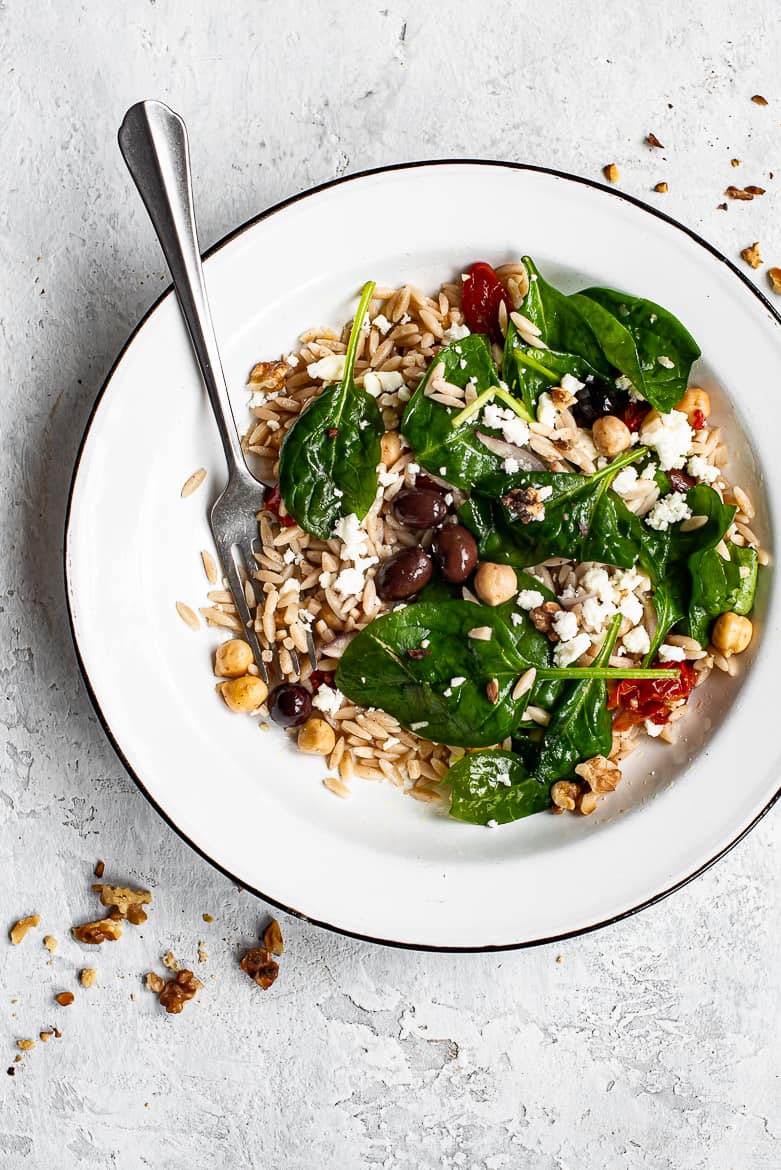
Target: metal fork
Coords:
[(153, 142)]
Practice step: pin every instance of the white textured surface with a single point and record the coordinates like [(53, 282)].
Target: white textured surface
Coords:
[(652, 1044)]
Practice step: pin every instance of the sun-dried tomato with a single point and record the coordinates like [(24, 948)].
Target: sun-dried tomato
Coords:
[(482, 293), (635, 413), (273, 504), (652, 699), (321, 678), (698, 420)]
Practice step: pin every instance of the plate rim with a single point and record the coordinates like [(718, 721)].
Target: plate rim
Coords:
[(103, 720)]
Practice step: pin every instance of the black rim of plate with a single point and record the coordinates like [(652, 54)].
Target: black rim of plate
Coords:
[(250, 223)]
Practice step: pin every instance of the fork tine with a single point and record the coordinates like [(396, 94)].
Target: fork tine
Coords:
[(237, 589)]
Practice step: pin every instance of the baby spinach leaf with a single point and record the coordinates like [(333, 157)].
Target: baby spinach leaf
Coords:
[(528, 370), (329, 457), (581, 726), (383, 667), (703, 501), (745, 559), (714, 590), (670, 602), (494, 786), (562, 325), (659, 339), (455, 453), (618, 344)]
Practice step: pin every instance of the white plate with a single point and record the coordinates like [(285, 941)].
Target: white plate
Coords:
[(380, 865)]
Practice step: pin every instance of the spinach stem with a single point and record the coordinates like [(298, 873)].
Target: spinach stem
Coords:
[(355, 332), (474, 407), (602, 672), (531, 363), (506, 397)]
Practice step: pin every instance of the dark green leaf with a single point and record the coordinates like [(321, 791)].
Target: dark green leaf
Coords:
[(529, 371), (745, 559), (715, 583), (494, 786), (618, 344), (561, 324), (328, 460)]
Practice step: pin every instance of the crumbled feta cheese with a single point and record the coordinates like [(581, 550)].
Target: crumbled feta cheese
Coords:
[(626, 479), (492, 824), (630, 581), (328, 369), (292, 360), (458, 681), (413, 469), (516, 619), (448, 498), (514, 429), (668, 653), (385, 478), (571, 384), (289, 556), (348, 530), (637, 641), (565, 624), (653, 729), (462, 364), (425, 643), (418, 726), (669, 510), (565, 653), (544, 492), (631, 607), (350, 582), (511, 466), (382, 323), (701, 469), (382, 382), (443, 471), (447, 692), (622, 382), (328, 699), (455, 333), (598, 581), (663, 360), (325, 579), (671, 437), (547, 414), (596, 614)]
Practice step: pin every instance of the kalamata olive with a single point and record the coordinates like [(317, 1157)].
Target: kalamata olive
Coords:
[(403, 574), (455, 550), (419, 508), (289, 705), (679, 480), (595, 400)]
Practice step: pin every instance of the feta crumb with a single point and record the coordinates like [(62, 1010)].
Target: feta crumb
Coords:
[(565, 653), (701, 469), (418, 726), (516, 618), (348, 530), (626, 479), (547, 414), (668, 653), (596, 614), (598, 581), (448, 498), (669, 510), (289, 556), (544, 492), (653, 729), (325, 579), (455, 333), (328, 699), (671, 437), (447, 692), (631, 581), (637, 641), (462, 364), (351, 581), (458, 681), (511, 466), (292, 360), (328, 369), (631, 607), (443, 471), (492, 824), (663, 360), (385, 478), (514, 429), (623, 383), (530, 598), (571, 383), (565, 624), (425, 643), (382, 323), (377, 382), (413, 469)]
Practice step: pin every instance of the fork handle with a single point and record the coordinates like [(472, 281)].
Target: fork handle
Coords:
[(153, 142)]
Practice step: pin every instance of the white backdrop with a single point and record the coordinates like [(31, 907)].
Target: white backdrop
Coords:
[(648, 1045)]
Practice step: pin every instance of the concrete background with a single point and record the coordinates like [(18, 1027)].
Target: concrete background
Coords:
[(652, 1044)]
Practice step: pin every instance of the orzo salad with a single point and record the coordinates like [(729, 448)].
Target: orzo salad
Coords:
[(501, 514)]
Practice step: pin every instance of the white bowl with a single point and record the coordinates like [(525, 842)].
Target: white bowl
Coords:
[(379, 865)]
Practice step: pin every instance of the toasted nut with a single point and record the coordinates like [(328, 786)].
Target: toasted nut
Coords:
[(732, 633), (695, 404), (45, 1036), (103, 930), (268, 376), (611, 436), (601, 774), (232, 658), (611, 173), (774, 276), (260, 966), (316, 737), (124, 898), (50, 942), (524, 683), (25, 1045), (65, 998), (244, 694), (20, 928), (541, 617), (179, 990), (272, 938), (564, 794), (390, 448), (652, 140), (739, 193), (169, 961), (88, 976), (100, 869), (751, 255), (662, 188), (154, 982), (495, 584), (760, 101), (586, 803)]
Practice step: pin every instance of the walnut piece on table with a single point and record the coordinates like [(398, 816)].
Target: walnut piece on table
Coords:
[(127, 901), (102, 930), (88, 976), (19, 929), (272, 938), (260, 967), (179, 991), (154, 982), (751, 255)]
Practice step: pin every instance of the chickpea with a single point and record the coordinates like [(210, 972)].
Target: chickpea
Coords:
[(732, 633), (695, 402), (390, 447), (495, 583), (316, 737), (611, 436), (232, 658), (245, 693)]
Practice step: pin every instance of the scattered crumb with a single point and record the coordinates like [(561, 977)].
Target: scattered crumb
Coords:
[(154, 982), (20, 928), (207, 917), (178, 991), (652, 140), (721, 207), (17, 1058), (125, 900), (774, 277), (45, 1036), (559, 958), (203, 954), (611, 173), (50, 942), (751, 255), (760, 101), (169, 961), (752, 189), (661, 188), (102, 930), (11, 1071), (260, 967), (57, 1034), (65, 998), (272, 938), (193, 482), (88, 976), (735, 162), (740, 193), (100, 868), (25, 1045)]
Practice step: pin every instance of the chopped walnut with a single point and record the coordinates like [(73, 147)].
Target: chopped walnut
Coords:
[(740, 193), (541, 617), (100, 868), (586, 803), (154, 982), (754, 190), (652, 140), (662, 188), (760, 101), (45, 1037), (50, 942), (179, 990), (751, 255), (774, 276), (601, 774), (525, 503), (272, 938), (203, 954), (734, 162), (65, 998), (25, 1045), (20, 928), (124, 899), (260, 967), (564, 794), (611, 173), (207, 917), (268, 376), (102, 930), (169, 961), (562, 398), (88, 976)]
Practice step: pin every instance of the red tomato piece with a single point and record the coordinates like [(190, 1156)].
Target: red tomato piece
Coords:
[(273, 504), (638, 700), (320, 678), (635, 413), (482, 294), (698, 421)]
